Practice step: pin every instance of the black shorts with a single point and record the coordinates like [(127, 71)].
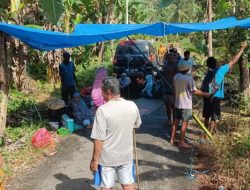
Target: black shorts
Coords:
[(169, 99), (211, 108)]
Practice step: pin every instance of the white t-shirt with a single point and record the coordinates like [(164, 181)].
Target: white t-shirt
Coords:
[(114, 124)]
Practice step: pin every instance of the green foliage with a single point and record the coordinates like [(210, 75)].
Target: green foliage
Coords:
[(86, 74), (52, 9), (244, 105), (25, 129), (179, 10), (37, 71), (166, 3), (21, 109), (34, 26), (242, 145), (223, 8)]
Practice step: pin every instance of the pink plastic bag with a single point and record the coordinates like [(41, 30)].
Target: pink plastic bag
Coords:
[(42, 138)]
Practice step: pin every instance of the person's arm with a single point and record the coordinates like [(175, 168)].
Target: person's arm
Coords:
[(99, 135), (200, 93), (236, 58), (195, 91), (98, 145), (138, 119)]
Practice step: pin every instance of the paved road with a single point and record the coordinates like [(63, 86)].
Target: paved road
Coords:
[(161, 165)]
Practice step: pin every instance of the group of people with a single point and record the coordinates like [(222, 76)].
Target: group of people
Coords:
[(116, 118), (80, 103), (180, 86)]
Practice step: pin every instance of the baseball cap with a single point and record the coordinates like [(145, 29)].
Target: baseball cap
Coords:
[(183, 65)]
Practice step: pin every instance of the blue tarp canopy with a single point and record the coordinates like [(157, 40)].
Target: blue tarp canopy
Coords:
[(91, 33)]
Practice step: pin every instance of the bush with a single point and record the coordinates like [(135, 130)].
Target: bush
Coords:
[(86, 73), (21, 109), (229, 154)]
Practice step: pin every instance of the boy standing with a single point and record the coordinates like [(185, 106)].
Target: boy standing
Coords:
[(214, 84), (184, 87)]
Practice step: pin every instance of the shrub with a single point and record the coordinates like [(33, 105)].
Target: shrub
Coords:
[(229, 154), (86, 73)]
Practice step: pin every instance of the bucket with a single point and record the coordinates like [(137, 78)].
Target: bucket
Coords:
[(70, 125)]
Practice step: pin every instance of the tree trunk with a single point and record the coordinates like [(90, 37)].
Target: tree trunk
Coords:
[(108, 19), (210, 33), (4, 85), (244, 77), (101, 52)]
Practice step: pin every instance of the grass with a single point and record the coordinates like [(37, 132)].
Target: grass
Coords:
[(23, 121), (24, 155), (229, 154)]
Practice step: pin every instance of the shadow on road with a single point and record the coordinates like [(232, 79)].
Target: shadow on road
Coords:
[(170, 154), (161, 171), (73, 184)]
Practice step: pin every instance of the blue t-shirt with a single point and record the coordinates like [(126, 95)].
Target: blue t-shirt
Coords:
[(67, 74), (219, 79)]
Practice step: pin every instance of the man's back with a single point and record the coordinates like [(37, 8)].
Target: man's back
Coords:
[(184, 86), (114, 125), (67, 74)]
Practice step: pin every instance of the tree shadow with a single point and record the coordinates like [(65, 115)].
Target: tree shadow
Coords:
[(73, 184), (161, 171), (182, 156), (153, 124)]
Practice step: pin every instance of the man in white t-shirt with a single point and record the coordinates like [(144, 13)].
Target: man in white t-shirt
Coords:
[(113, 137)]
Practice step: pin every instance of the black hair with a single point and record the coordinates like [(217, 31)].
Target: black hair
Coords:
[(141, 76), (184, 72), (175, 50), (66, 57), (211, 63), (171, 50), (186, 53)]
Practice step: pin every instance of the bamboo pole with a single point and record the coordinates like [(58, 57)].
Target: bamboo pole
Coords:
[(136, 160)]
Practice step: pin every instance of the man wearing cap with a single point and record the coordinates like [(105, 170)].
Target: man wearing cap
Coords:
[(184, 88), (68, 78), (113, 137)]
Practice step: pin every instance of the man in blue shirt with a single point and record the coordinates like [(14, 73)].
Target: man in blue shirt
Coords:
[(68, 78), (214, 84)]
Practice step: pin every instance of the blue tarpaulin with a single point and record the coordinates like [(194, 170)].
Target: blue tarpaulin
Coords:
[(91, 33)]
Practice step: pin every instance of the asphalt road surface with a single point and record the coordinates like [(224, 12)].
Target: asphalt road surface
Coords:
[(161, 166)]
